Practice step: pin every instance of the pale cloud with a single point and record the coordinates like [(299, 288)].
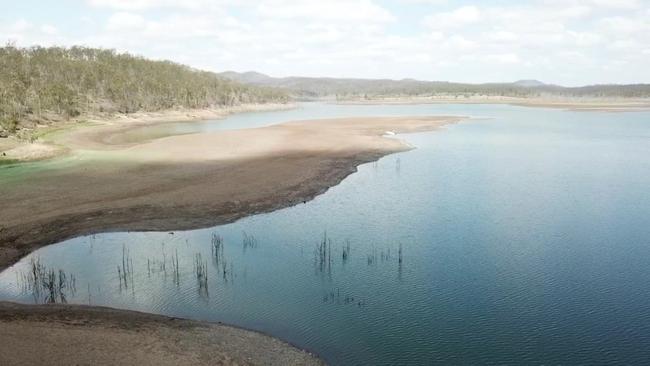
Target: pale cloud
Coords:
[(20, 25), (618, 4), (454, 19), (504, 58), (502, 36), (24, 32), (458, 42), (626, 24), (129, 4), (562, 41), (124, 21), (426, 2), (333, 10), (596, 5), (49, 29), (584, 39), (137, 5), (576, 11), (436, 36)]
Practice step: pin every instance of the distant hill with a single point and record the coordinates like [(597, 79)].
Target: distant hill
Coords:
[(529, 83), (48, 85), (250, 77), (310, 87)]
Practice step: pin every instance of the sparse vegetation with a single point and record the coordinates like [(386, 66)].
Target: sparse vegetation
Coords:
[(176, 271), (249, 241), (346, 251), (399, 254), (201, 272), (47, 285), (125, 272), (372, 257), (217, 248), (323, 254), (338, 299)]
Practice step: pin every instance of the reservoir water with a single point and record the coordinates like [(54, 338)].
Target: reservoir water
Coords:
[(518, 238)]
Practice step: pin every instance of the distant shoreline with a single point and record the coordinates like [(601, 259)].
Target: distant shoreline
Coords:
[(571, 104)]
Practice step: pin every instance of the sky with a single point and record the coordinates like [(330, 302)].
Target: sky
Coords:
[(567, 42)]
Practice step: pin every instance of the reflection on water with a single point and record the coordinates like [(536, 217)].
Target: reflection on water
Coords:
[(520, 239), (190, 275), (46, 285)]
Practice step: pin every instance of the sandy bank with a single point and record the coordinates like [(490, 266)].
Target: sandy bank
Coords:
[(574, 104), (54, 335)]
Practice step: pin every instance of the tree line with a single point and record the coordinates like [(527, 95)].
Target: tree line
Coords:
[(42, 85)]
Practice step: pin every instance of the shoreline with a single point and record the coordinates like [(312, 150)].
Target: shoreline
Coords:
[(169, 183), (38, 333)]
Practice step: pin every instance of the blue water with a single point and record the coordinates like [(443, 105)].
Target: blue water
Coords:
[(525, 239)]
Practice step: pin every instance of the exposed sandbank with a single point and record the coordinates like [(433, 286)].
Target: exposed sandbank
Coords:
[(191, 181), (81, 335)]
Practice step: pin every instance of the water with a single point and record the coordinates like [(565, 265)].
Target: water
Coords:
[(525, 238)]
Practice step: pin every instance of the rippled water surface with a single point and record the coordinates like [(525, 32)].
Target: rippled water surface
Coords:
[(523, 238)]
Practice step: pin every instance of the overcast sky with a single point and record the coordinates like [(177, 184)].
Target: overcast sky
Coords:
[(570, 42)]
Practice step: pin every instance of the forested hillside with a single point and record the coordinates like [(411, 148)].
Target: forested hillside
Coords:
[(309, 87), (40, 85)]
